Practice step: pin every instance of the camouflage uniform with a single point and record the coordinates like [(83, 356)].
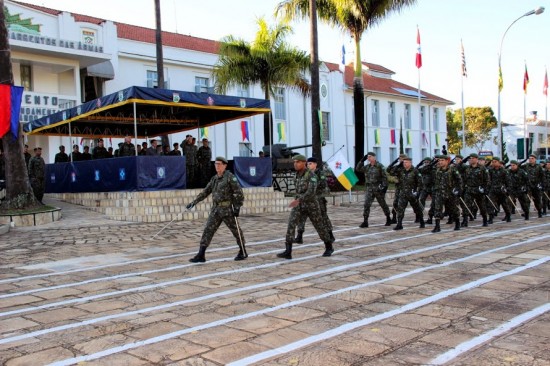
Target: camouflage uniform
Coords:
[(226, 194), (447, 186), (428, 177), (519, 181), (126, 150), (322, 189), (476, 185), (395, 170), (411, 185), (536, 184), (500, 182), (37, 176), (190, 152), (376, 183), (100, 152), (204, 157), (546, 193)]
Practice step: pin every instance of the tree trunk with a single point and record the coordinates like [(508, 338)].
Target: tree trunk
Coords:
[(316, 137), (268, 122), (160, 61), (19, 193)]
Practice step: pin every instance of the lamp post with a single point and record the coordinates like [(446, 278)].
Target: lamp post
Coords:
[(537, 11)]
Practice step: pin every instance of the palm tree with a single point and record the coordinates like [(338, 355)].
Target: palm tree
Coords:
[(268, 60), (353, 17), (19, 193)]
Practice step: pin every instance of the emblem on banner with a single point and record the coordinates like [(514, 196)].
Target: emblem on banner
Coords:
[(73, 177), (122, 174), (120, 96), (210, 101), (78, 110), (175, 97), (52, 178), (243, 103), (96, 175), (64, 115), (161, 172), (252, 171), (98, 103)]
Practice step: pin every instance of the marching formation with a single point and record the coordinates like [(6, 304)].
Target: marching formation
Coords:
[(459, 189)]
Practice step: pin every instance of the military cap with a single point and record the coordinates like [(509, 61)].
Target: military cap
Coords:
[(371, 154), (443, 156), (402, 156), (474, 155), (312, 160), (407, 158), (515, 162), (482, 158), (427, 158), (222, 159), (299, 158), (37, 148), (458, 156), (496, 158), (532, 156)]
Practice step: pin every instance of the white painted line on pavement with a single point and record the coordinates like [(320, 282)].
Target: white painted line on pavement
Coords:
[(485, 337), (306, 341), (360, 323)]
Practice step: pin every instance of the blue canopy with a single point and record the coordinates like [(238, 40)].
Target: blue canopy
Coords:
[(157, 112)]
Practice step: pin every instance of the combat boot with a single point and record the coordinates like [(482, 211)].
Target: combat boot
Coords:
[(540, 213), (451, 220), (388, 221), (399, 225), (422, 223), (365, 223), (417, 219), (332, 236), (464, 221), (430, 220), (242, 254), (394, 218), (199, 258), (457, 224), (490, 221), (485, 221), (437, 227), (328, 249), (508, 218), (299, 237), (526, 215), (287, 254)]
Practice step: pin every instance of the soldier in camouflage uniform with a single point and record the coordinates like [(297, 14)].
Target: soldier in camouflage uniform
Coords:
[(519, 183), (447, 189), (127, 148), (204, 156), (476, 184), (411, 186), (322, 189), (190, 152), (305, 205), (376, 182), (427, 170), (546, 193), (536, 182), (227, 199), (37, 174), (397, 166), (498, 193)]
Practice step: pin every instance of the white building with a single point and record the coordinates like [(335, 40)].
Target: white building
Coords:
[(64, 59)]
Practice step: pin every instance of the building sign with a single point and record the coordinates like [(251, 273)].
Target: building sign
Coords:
[(37, 105), (55, 42)]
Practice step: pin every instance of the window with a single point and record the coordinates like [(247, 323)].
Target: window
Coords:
[(280, 110), (202, 84), (541, 138), (326, 125), (26, 77), (436, 119), (423, 118), (378, 152), (375, 114), (437, 152), (409, 152), (242, 91), (152, 79), (391, 115), (393, 153), (407, 116)]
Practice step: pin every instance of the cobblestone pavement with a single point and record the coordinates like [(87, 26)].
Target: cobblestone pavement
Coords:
[(87, 290)]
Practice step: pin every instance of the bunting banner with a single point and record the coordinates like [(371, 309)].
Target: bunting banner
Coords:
[(203, 132), (321, 130), (81, 141), (409, 139), (342, 170), (392, 136), (437, 139), (281, 131), (376, 136), (10, 106), (424, 138), (244, 131)]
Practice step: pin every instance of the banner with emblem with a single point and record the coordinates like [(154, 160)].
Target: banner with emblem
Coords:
[(342, 170)]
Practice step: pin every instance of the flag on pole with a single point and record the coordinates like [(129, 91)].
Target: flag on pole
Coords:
[(392, 136), (343, 58), (500, 81), (204, 132), (525, 80), (545, 86), (281, 131), (10, 106), (342, 171), (244, 131), (464, 71), (376, 136), (418, 53)]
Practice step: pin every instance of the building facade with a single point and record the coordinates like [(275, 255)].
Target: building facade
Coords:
[(64, 59)]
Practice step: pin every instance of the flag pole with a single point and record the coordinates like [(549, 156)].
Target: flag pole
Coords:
[(418, 66), (462, 97), (545, 91), (525, 82)]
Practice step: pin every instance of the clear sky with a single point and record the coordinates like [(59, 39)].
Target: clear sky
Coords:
[(442, 23)]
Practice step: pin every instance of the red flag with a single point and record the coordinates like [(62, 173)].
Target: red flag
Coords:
[(545, 86), (525, 80), (418, 53), (10, 106), (392, 136)]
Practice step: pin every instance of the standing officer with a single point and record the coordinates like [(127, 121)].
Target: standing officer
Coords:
[(411, 185), (305, 205), (227, 199), (322, 189), (376, 182), (500, 183), (190, 152), (447, 189), (37, 174), (476, 184), (519, 183), (152, 150), (536, 182), (204, 156), (100, 152), (396, 167), (61, 156), (127, 148)]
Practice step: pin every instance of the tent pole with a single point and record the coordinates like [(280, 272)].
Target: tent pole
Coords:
[(135, 127), (270, 137), (70, 141)]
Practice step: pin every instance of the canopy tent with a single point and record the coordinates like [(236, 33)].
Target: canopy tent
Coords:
[(142, 112)]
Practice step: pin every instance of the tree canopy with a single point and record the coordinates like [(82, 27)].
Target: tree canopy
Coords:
[(479, 122)]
